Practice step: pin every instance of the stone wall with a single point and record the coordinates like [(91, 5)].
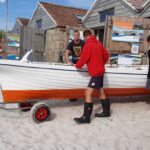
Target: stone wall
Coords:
[(55, 44)]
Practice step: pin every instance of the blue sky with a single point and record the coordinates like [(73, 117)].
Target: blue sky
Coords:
[(25, 8)]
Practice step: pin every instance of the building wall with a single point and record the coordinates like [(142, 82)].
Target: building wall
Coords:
[(120, 9), (17, 27), (55, 44), (146, 13), (47, 22)]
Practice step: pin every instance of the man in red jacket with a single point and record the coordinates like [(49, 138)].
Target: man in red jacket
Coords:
[(95, 56)]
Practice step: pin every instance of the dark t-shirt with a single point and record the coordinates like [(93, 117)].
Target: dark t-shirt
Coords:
[(75, 50), (149, 64)]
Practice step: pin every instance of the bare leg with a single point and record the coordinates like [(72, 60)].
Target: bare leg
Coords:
[(102, 95), (88, 95)]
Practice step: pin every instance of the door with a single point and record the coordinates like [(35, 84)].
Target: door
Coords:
[(31, 38)]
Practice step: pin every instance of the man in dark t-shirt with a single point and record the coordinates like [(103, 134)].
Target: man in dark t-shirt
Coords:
[(74, 48), (148, 76)]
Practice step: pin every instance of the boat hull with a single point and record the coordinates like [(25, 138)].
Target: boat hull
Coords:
[(22, 82), (17, 96)]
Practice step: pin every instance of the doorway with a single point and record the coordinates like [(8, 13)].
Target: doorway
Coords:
[(99, 33)]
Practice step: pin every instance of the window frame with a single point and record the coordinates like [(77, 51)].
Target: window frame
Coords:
[(107, 13), (79, 17), (38, 25)]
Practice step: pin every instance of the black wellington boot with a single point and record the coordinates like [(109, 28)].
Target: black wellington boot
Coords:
[(106, 109), (86, 118)]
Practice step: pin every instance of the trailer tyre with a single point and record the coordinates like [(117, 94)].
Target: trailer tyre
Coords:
[(40, 113)]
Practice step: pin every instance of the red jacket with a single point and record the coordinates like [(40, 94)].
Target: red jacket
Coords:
[(95, 56)]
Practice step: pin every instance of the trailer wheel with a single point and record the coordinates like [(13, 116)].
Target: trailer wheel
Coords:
[(40, 113)]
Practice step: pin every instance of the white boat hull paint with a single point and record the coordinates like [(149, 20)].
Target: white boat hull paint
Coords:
[(15, 75), (37, 76)]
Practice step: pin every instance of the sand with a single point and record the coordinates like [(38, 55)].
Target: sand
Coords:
[(127, 129)]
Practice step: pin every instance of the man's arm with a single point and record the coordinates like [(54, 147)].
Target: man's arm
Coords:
[(85, 55), (69, 47), (105, 55), (67, 57)]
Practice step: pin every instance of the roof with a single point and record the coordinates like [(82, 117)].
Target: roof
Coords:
[(23, 21), (63, 15), (136, 4)]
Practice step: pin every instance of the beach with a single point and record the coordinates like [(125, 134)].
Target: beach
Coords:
[(127, 129)]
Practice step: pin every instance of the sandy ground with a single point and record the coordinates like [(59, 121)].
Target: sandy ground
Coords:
[(127, 129)]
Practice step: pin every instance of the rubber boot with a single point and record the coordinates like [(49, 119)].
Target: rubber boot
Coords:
[(86, 118), (106, 109)]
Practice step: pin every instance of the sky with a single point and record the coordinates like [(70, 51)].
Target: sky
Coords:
[(26, 8)]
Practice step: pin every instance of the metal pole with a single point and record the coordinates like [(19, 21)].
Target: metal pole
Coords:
[(6, 34), (6, 17)]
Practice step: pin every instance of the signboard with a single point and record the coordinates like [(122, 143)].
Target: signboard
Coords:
[(135, 48), (126, 59), (13, 40), (127, 32)]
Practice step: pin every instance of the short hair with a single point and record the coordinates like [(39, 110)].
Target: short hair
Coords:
[(87, 33), (148, 38), (76, 31)]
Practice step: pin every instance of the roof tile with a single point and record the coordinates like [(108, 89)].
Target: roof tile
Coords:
[(24, 21), (63, 15), (138, 4)]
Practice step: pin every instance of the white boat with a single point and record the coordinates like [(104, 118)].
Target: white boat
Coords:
[(22, 81)]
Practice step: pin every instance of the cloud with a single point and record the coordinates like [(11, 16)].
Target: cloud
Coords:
[(81, 3), (2, 1)]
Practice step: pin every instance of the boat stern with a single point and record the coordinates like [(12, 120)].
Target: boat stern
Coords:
[(1, 95)]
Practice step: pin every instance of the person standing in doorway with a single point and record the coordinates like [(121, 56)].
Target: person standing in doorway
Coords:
[(74, 48), (148, 76), (95, 56)]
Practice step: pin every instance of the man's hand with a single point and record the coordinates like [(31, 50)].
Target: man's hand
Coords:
[(70, 64), (74, 65), (143, 54)]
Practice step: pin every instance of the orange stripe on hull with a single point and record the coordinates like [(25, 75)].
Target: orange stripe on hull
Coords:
[(14, 96)]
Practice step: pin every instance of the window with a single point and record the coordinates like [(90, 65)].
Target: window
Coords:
[(39, 24), (17, 31), (105, 13), (79, 18)]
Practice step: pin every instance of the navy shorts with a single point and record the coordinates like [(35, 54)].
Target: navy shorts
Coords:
[(96, 82)]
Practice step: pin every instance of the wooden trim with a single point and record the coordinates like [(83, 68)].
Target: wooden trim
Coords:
[(90, 10), (129, 4), (19, 21), (39, 4), (146, 3), (145, 6), (33, 14), (48, 14)]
